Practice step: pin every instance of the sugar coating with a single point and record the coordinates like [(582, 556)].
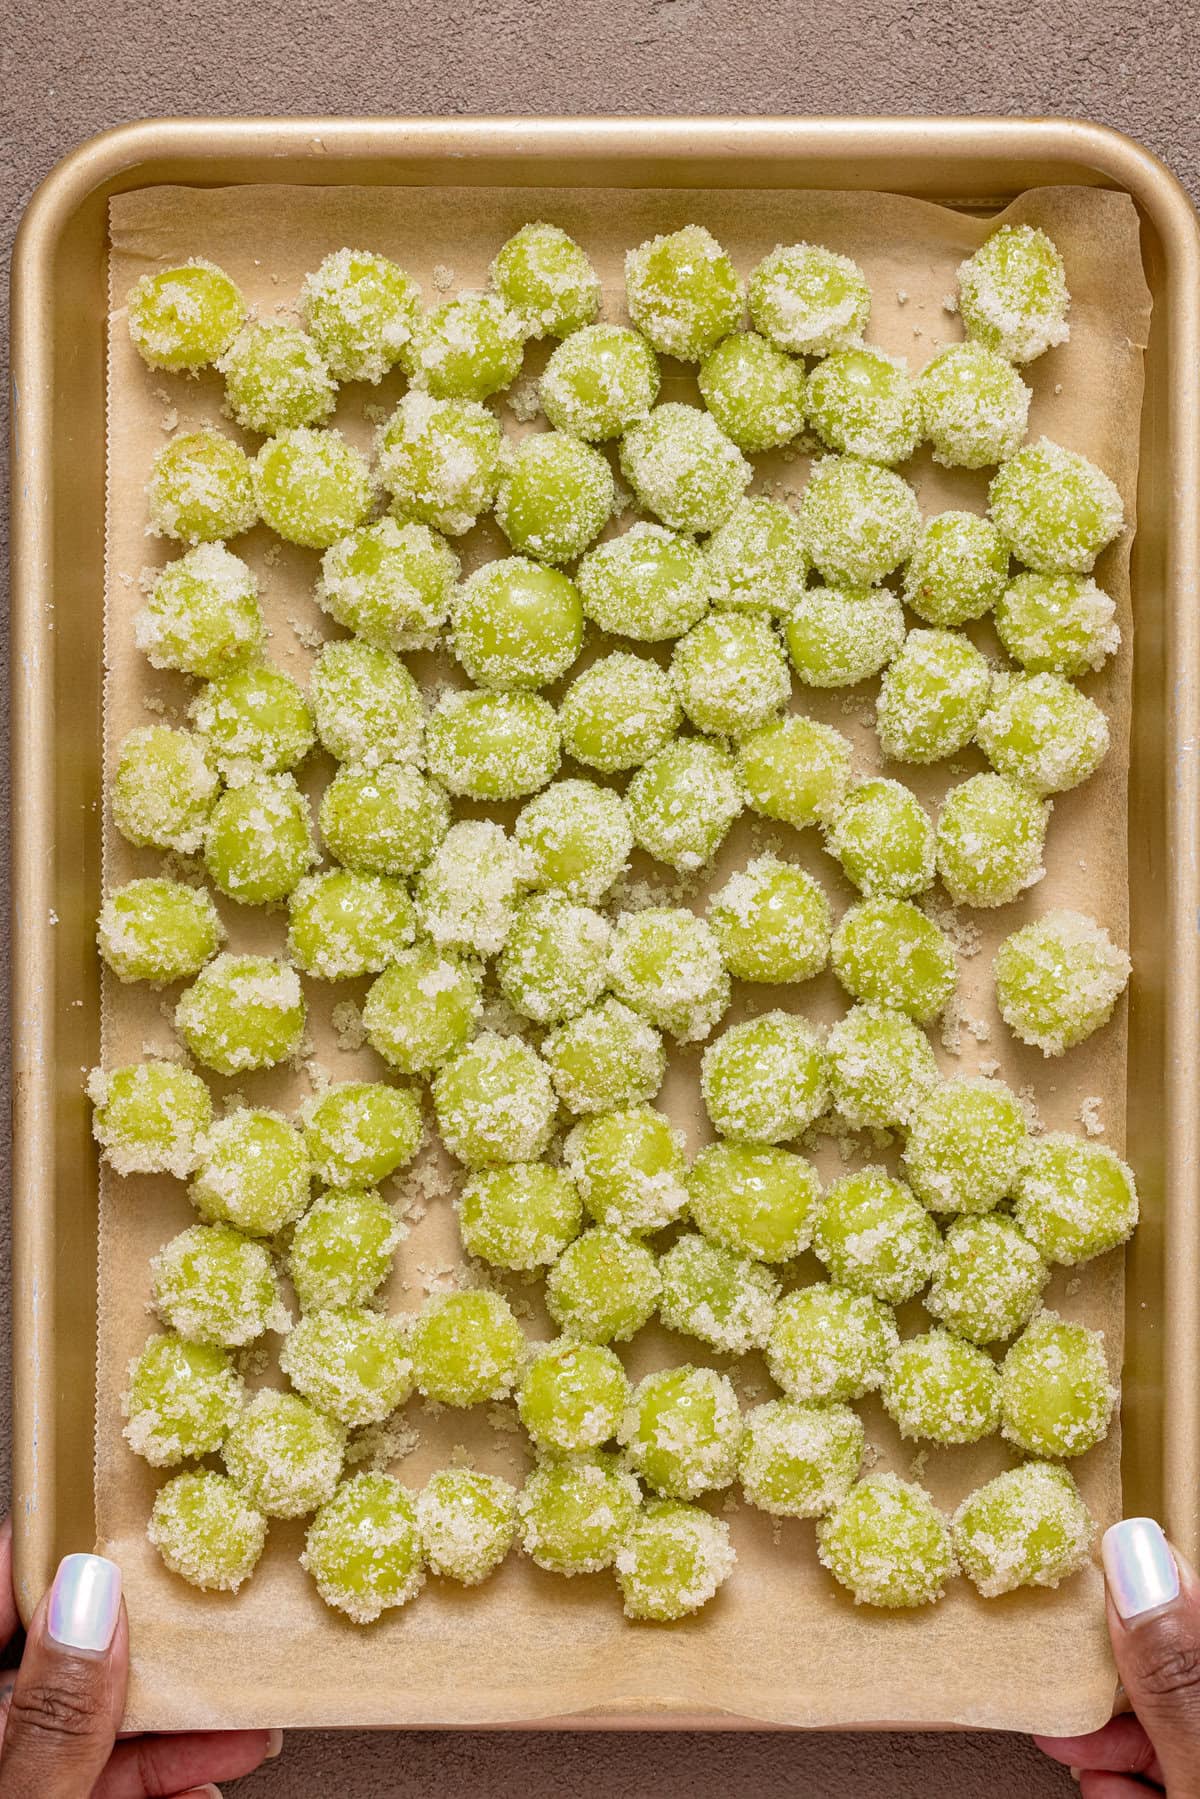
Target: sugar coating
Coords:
[(958, 570), (683, 292), (259, 840), (1058, 980), (363, 1548), (1055, 1393), (182, 318), (710, 1292), (389, 583), (987, 1278), (544, 277), (973, 406), (730, 673), (681, 1431), (666, 964), (467, 348), (990, 835), (862, 402), (363, 311), (603, 1288), (157, 930), (681, 803), (467, 1522), (556, 495), (1012, 293), (604, 1057), (883, 838), (839, 636), (757, 561), (202, 616), (276, 378), (206, 1531), (881, 1065), (860, 521), (932, 696), (573, 1396), (1055, 510), (367, 706), (343, 924), (795, 770), (312, 487), (829, 1344), (942, 1388), (648, 584), (629, 1166), (350, 1362), (618, 712), (599, 381), (163, 788), (440, 461), (201, 488), (181, 1402), (799, 1461), (874, 1237), (359, 1132), (673, 1561), (1074, 1199), (422, 1008), (772, 921), (1028, 1527), (555, 961), (1057, 624), (520, 1216), (683, 468), (516, 624), (466, 894), (254, 721), (809, 300), (754, 1198), (213, 1285), (254, 1172), (765, 1080), (887, 1543), (576, 837), (754, 392), (494, 1101), (466, 1348), (242, 1013), (149, 1117), (967, 1143), (385, 820), (575, 1513), (492, 746), (341, 1250), (888, 952)]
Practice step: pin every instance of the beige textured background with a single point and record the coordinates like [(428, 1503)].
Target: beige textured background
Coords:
[(69, 68)]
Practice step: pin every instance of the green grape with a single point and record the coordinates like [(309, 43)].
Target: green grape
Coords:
[(987, 1278), (341, 1250), (1026, 1528), (967, 1143), (285, 1455), (795, 770), (467, 892), (1057, 624), (492, 746), (599, 381), (367, 707), (958, 570), (182, 318), (363, 1548), (604, 1057), (666, 963), (467, 1522), (359, 1132), (573, 1396), (673, 1561), (342, 924), (466, 1348), (828, 1344), (544, 277), (874, 1237), (213, 1285), (757, 561), (254, 721), (555, 962), (881, 1066), (809, 300), (201, 488), (683, 468), (163, 788), (575, 1513), (158, 930), (577, 838), (468, 348), (731, 674), (363, 312), (1074, 1200), (839, 636), (618, 713), (932, 696), (799, 1461), (989, 841), (383, 821), (887, 1544), (516, 624), (1058, 980), (1056, 1398), (887, 951), (440, 461), (389, 583), (242, 1013), (603, 1288), (276, 378), (422, 1008), (755, 392), (682, 802), (352, 1364), (882, 837), (522, 1216), (754, 1199), (555, 497), (765, 1080), (259, 840), (182, 1400), (682, 1430), (712, 1293), (207, 1532), (1013, 293), (629, 1168), (862, 402), (683, 292), (648, 584), (942, 1389), (860, 522), (254, 1173), (203, 615), (312, 487), (150, 1117), (494, 1102), (772, 922), (1054, 509), (973, 406)]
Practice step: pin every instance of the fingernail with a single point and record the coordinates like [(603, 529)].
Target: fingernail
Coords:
[(274, 1744), (208, 1792), (1139, 1567), (85, 1602)]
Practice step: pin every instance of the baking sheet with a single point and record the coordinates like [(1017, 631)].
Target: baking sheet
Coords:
[(780, 1644)]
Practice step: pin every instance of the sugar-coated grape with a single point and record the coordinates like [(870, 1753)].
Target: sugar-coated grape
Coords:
[(874, 1237), (359, 1132), (1058, 980), (158, 930), (575, 1513), (312, 487), (343, 924), (958, 569), (573, 1396), (467, 1522), (389, 583), (618, 712), (605, 1056), (467, 348), (932, 696), (555, 497), (967, 1143), (576, 837), (887, 1543), (1057, 624), (163, 788), (973, 406), (1012, 293), (839, 636), (363, 1548), (772, 922), (521, 1216), (467, 892), (681, 1431), (860, 521), (683, 468), (987, 1278), (862, 402), (599, 381), (755, 1199), (799, 1461), (440, 461), (255, 720), (765, 1080), (182, 1400), (683, 292), (666, 963), (886, 950), (942, 1388), (1054, 509), (367, 706), (544, 277), (516, 624), (363, 311), (466, 1348), (492, 746), (755, 392), (828, 1344), (1056, 1397), (555, 962), (383, 821), (881, 1066), (242, 1013), (201, 488), (673, 1561), (730, 673), (422, 1008), (259, 841), (630, 1168), (989, 840), (649, 584), (1074, 1199), (795, 770), (182, 318), (203, 615), (883, 838), (276, 378), (603, 1288), (725, 1299), (213, 1285), (350, 1362), (206, 1531), (150, 1117), (809, 300), (254, 1172), (757, 561), (682, 802), (494, 1101), (341, 1250), (1026, 1528)]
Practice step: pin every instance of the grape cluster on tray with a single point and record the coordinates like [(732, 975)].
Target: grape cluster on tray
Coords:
[(570, 1169)]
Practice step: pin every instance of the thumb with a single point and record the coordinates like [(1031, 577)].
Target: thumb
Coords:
[(69, 1693), (1154, 1621)]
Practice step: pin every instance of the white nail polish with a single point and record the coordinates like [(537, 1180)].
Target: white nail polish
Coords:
[(1139, 1567), (85, 1602)]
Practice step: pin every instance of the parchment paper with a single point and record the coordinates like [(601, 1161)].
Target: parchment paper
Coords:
[(781, 1644)]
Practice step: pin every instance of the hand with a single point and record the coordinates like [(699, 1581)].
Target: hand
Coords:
[(1154, 1622), (60, 1710)]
